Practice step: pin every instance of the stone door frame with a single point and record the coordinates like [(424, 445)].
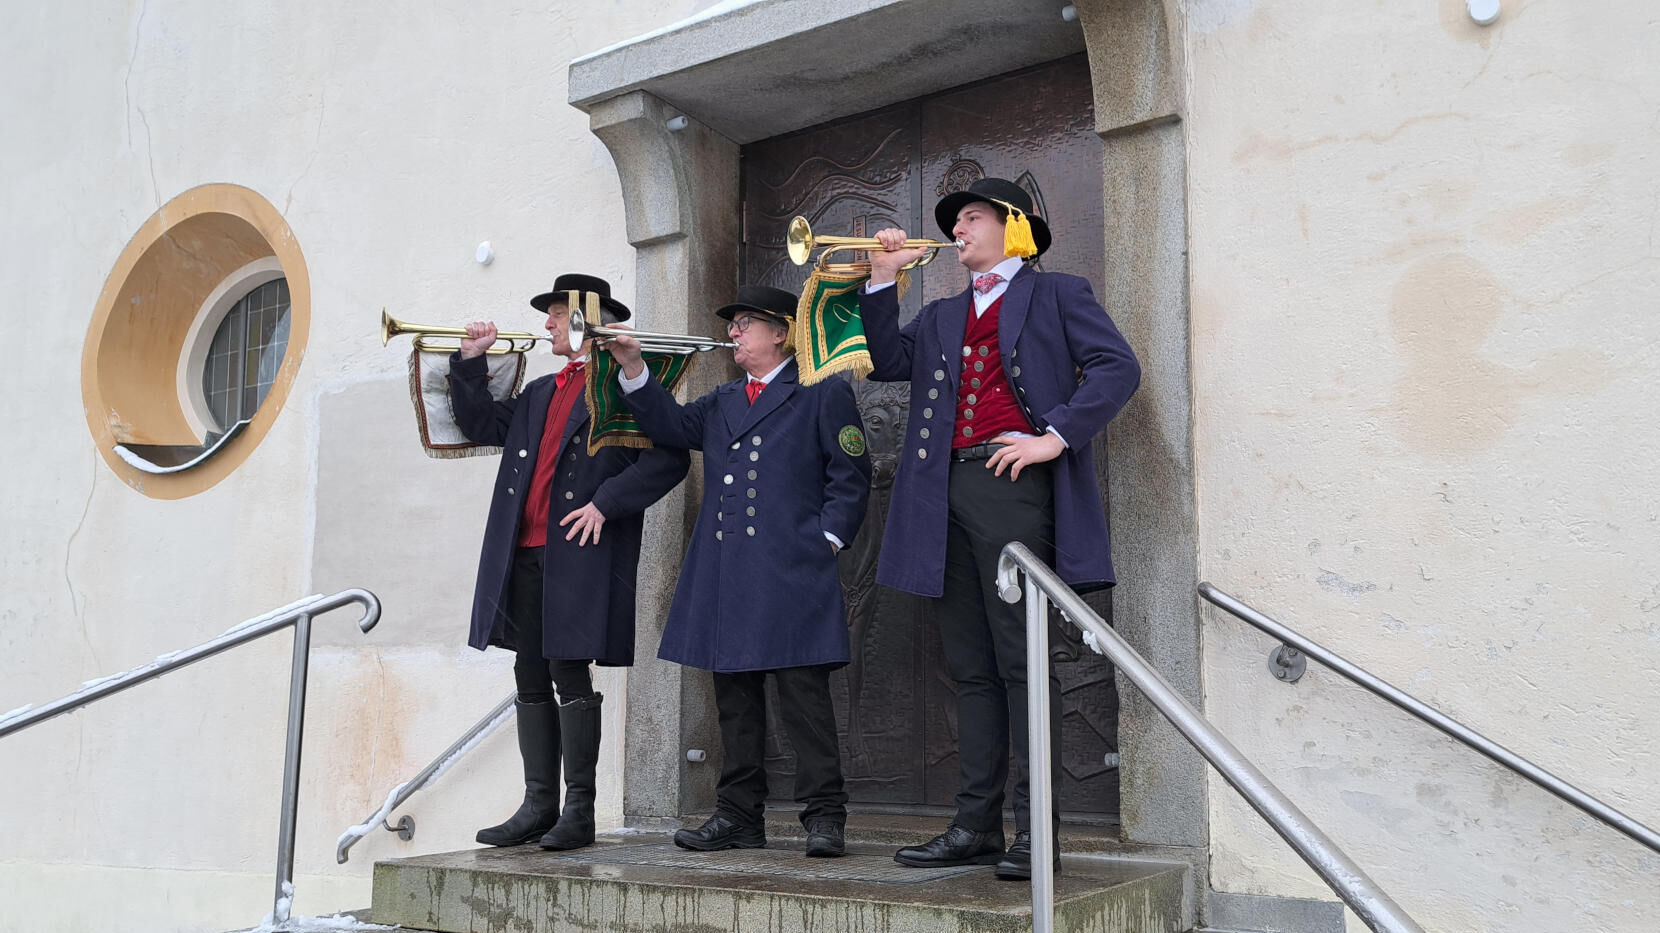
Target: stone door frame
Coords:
[(764, 69)]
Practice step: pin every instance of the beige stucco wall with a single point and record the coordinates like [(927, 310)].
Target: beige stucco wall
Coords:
[(1424, 286), (393, 139)]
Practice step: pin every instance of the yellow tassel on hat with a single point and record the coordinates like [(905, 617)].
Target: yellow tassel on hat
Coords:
[(1017, 233)]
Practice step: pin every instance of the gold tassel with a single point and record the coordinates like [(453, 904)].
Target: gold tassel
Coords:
[(902, 283), (1017, 233)]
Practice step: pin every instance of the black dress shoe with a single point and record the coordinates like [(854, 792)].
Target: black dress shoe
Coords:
[(721, 833), (1016, 864), (824, 839), (958, 845)]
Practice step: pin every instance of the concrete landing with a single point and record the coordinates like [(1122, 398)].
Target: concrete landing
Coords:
[(641, 883)]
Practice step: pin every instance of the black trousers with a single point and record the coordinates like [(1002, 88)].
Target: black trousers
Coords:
[(533, 674), (809, 721), (985, 637)]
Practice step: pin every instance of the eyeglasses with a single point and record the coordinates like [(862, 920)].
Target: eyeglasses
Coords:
[(741, 323)]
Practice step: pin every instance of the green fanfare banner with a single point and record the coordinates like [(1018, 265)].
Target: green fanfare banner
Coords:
[(830, 335), (612, 423)]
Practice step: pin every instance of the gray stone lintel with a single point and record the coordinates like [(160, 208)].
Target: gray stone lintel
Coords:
[(770, 68)]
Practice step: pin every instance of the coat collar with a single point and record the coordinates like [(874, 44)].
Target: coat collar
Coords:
[(952, 322), (734, 402), (1011, 317)]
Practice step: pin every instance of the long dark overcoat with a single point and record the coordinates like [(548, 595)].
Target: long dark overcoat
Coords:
[(587, 592), (759, 589), (1070, 368)]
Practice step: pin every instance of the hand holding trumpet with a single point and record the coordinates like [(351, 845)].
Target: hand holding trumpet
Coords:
[(886, 262), (625, 349), (481, 336)]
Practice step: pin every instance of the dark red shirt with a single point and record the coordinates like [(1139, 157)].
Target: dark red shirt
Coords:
[(986, 406), (533, 525)]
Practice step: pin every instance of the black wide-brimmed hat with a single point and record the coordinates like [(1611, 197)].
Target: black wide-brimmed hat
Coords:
[(763, 299), (999, 193), (577, 282)]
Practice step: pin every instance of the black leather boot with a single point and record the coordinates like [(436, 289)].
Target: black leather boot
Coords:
[(538, 725), (579, 729)]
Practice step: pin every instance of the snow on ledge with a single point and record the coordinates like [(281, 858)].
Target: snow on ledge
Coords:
[(719, 9)]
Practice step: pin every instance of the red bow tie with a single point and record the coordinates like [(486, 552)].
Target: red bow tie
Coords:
[(753, 389), (985, 283), (571, 371)]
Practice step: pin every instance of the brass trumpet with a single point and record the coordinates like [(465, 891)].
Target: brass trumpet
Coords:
[(801, 242), (425, 334), (580, 332)]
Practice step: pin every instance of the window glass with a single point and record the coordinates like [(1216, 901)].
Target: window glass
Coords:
[(246, 351)]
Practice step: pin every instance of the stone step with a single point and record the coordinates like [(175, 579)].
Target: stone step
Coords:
[(639, 882), (908, 828)]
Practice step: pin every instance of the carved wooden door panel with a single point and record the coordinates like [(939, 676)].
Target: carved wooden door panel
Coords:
[(888, 168)]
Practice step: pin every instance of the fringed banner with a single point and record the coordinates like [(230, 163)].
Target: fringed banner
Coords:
[(429, 390), (830, 330), (611, 421)]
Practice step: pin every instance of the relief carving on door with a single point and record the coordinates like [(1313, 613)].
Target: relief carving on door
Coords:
[(888, 168)]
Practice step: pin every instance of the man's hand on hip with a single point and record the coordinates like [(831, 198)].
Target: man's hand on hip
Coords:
[(1021, 452)]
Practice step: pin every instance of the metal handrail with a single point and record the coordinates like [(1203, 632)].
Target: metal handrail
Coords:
[(1340, 873), (297, 614), (1504, 756), (406, 826)]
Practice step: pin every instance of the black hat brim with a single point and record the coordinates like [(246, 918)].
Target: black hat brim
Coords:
[(619, 311), (945, 214), (730, 311)]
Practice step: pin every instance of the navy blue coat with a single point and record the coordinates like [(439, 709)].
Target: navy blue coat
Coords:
[(759, 589), (587, 592), (1070, 368)]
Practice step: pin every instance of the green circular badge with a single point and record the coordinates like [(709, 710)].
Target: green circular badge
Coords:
[(852, 440)]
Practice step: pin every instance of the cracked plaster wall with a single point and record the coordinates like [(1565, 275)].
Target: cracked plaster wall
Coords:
[(1424, 277), (393, 141)]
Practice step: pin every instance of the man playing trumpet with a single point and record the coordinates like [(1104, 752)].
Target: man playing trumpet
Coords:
[(561, 550), (786, 479), (1011, 379)]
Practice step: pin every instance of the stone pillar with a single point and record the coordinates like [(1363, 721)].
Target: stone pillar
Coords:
[(680, 198), (1135, 65)]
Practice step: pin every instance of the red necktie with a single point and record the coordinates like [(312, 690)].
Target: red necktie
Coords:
[(565, 375), (753, 389), (985, 283)]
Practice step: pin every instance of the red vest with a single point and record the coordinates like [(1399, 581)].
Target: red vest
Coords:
[(986, 406), (533, 525)]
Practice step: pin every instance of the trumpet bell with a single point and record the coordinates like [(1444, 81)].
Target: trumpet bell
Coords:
[(798, 239)]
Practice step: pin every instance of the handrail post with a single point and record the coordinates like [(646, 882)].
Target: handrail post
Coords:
[(283, 900), (1038, 771)]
